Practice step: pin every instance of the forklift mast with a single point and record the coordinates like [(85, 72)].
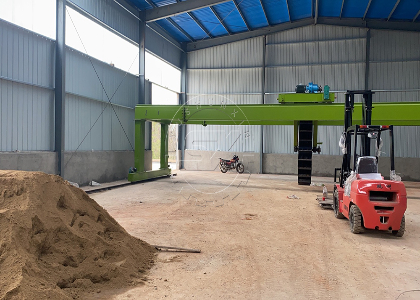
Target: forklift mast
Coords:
[(348, 118)]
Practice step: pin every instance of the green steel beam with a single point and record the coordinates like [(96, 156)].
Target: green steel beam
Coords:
[(400, 114), (139, 144), (305, 98), (140, 176)]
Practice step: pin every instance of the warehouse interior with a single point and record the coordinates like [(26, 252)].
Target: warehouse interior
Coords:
[(80, 80)]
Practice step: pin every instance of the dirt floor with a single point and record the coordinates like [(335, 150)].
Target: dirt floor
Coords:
[(258, 244)]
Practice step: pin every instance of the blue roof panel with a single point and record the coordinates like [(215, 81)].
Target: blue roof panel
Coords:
[(210, 21), (354, 8), (406, 10), (190, 26), (233, 20), (329, 8), (253, 13), (160, 3), (300, 9), (380, 9), (140, 4), (276, 11), (172, 30)]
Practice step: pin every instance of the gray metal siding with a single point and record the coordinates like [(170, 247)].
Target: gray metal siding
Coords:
[(230, 74), (395, 68), (113, 15), (224, 81), (26, 56), (246, 53), (91, 78), (223, 138), (162, 48), (27, 117), (93, 126), (127, 24), (316, 33), (26, 90), (321, 54), (87, 103)]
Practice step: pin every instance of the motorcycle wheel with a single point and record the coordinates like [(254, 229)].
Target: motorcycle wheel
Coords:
[(223, 168), (240, 168)]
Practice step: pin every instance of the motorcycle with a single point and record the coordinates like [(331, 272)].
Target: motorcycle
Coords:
[(230, 164)]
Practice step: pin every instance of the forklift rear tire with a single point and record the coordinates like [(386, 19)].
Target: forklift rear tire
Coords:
[(337, 213), (400, 232), (356, 219)]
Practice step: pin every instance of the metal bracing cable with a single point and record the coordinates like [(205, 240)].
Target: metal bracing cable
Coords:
[(103, 88)]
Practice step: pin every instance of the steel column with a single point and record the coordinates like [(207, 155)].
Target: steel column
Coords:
[(367, 66), (142, 58), (139, 143), (182, 100), (164, 146), (263, 100), (60, 89)]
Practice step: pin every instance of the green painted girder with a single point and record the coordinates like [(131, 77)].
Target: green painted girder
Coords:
[(391, 113), (305, 98), (140, 176)]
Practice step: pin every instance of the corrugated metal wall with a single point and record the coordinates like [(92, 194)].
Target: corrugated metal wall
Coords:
[(395, 67), (320, 54), (230, 74), (113, 15), (323, 54), (26, 90), (87, 99), (126, 23)]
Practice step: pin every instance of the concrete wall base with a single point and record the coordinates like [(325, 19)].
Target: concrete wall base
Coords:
[(84, 166), (209, 160), (322, 165)]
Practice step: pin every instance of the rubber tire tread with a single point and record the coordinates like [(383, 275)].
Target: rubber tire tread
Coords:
[(337, 214), (356, 220), (400, 232), (242, 169)]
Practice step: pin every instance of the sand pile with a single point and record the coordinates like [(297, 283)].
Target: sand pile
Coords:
[(57, 243)]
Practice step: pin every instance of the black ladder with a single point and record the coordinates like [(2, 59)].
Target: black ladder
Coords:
[(305, 153)]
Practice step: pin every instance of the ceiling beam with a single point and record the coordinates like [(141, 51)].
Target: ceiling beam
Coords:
[(181, 30), (265, 13), (392, 11), (158, 13), (316, 12), (242, 16), (198, 23), (220, 20), (341, 11), (288, 10), (367, 9), (371, 24), (416, 16), (248, 34), (172, 22)]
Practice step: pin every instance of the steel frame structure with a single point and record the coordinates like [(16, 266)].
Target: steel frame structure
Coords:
[(391, 113)]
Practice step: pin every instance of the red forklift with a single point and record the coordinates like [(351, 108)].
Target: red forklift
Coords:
[(361, 194)]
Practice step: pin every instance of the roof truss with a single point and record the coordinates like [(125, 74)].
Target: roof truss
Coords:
[(158, 13)]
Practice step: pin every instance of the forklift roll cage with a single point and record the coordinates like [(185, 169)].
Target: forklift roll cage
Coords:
[(363, 131)]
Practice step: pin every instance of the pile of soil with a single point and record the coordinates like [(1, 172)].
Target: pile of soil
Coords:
[(57, 243)]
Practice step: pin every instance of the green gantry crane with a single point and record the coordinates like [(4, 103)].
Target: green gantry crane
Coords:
[(306, 111)]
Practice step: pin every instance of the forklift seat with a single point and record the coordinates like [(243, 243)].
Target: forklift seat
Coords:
[(367, 168)]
